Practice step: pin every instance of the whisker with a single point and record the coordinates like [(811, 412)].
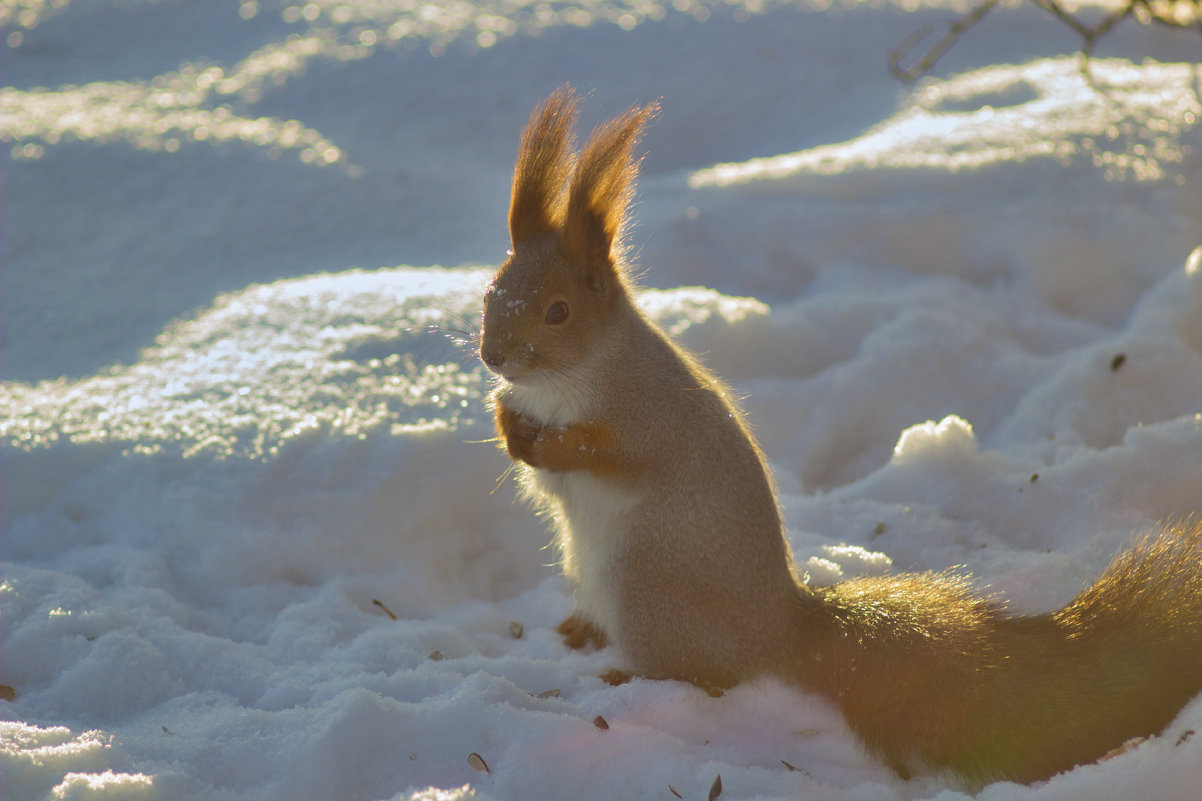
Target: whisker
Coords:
[(464, 345), (506, 473)]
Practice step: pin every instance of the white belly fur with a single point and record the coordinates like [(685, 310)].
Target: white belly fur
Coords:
[(589, 512), (590, 531)]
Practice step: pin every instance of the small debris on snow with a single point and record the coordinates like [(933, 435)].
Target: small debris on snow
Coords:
[(380, 604)]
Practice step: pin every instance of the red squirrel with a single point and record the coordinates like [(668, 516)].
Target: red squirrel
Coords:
[(666, 517)]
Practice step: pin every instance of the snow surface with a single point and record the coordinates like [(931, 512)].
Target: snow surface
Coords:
[(967, 320)]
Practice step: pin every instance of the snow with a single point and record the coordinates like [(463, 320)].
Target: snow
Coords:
[(241, 420)]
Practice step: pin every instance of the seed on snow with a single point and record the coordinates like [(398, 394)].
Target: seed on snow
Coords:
[(476, 762)]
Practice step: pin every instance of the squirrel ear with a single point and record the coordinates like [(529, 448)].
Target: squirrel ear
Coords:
[(601, 190), (545, 160)]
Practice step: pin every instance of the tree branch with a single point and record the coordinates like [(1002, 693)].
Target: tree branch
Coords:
[(1163, 13), (928, 59)]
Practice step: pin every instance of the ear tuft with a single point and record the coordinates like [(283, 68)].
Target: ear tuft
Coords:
[(601, 189), (545, 160)]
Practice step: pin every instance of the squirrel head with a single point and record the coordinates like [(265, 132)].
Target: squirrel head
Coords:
[(549, 302)]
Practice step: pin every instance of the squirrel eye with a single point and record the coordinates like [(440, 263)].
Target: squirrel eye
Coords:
[(557, 313)]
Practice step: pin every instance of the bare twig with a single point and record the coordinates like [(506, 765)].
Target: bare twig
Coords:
[(928, 59), (1089, 33), (1163, 13)]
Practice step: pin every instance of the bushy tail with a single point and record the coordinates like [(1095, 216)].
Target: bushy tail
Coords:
[(944, 680), (1158, 581), (1127, 655)]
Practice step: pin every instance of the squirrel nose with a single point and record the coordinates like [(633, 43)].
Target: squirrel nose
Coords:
[(492, 358)]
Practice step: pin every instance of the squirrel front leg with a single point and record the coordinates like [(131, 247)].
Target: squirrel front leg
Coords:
[(519, 434), (580, 446)]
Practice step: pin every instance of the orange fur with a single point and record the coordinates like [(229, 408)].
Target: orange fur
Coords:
[(542, 170), (931, 676), (601, 190), (580, 446), (578, 633)]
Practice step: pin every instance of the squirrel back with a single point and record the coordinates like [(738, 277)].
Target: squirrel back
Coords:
[(666, 519)]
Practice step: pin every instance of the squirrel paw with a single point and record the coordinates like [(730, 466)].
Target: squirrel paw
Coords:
[(523, 436), (578, 632)]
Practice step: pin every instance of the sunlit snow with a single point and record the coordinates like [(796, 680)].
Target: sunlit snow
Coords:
[(1127, 121), (237, 439)]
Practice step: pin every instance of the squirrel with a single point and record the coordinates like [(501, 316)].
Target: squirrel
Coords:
[(666, 517)]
